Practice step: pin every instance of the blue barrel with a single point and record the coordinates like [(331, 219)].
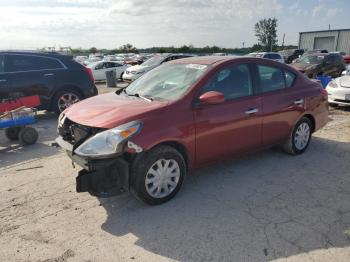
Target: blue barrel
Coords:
[(324, 80)]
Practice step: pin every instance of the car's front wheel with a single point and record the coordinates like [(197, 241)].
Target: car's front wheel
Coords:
[(157, 175), (300, 138)]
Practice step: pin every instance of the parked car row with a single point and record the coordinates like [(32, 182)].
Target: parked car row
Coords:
[(134, 72)]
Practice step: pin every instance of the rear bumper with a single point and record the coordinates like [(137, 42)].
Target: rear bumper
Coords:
[(99, 177)]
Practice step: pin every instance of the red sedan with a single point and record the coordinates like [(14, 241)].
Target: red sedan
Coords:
[(185, 114)]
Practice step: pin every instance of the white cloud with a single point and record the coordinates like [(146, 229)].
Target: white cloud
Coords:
[(111, 23), (317, 9), (333, 12)]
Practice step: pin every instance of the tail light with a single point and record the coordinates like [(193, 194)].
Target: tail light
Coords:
[(89, 72)]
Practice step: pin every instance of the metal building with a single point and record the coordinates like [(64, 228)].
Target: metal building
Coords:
[(332, 40)]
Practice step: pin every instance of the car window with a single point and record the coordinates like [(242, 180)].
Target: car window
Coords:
[(272, 56), (233, 82), (271, 78), (20, 63), (290, 77), (99, 66), (116, 65), (2, 63)]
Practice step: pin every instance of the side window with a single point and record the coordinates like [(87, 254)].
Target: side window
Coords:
[(271, 78), (2, 63), (290, 77), (18, 63), (99, 66), (116, 65), (233, 82)]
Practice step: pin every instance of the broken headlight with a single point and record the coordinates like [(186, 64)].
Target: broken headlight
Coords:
[(108, 142)]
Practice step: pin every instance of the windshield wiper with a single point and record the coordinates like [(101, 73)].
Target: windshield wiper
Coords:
[(149, 99)]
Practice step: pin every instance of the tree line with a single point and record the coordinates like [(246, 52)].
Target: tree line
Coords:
[(265, 31)]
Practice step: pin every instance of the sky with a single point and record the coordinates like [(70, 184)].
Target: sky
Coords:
[(31, 24)]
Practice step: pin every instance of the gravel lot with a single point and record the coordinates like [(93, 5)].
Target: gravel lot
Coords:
[(262, 207)]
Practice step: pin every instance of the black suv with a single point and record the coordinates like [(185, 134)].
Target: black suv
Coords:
[(56, 78)]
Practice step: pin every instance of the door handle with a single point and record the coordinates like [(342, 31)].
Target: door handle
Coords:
[(50, 74), (251, 111), (299, 102), (3, 80)]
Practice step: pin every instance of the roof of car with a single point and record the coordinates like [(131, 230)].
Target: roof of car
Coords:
[(36, 53), (204, 60)]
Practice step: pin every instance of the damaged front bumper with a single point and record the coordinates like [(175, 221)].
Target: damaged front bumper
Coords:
[(100, 177)]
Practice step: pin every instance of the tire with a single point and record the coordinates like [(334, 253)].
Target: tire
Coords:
[(13, 132), (121, 76), (28, 136), (58, 102), (333, 105), (145, 169), (292, 146)]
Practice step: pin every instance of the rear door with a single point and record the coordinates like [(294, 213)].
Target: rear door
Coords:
[(282, 103), (31, 75), (119, 68), (233, 126), (100, 71)]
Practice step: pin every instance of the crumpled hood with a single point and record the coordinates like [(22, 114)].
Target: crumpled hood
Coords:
[(345, 81), (110, 110), (303, 67)]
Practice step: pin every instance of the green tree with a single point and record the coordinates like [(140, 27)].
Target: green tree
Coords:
[(266, 32), (93, 50), (128, 48)]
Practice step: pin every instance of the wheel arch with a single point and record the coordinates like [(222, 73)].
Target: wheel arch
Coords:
[(312, 119), (179, 147)]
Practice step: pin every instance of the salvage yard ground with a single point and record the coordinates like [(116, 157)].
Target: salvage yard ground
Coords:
[(262, 207)]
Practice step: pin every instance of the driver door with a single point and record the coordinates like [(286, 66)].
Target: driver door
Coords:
[(233, 126)]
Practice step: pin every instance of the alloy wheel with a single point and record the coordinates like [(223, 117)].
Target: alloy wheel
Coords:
[(66, 100)]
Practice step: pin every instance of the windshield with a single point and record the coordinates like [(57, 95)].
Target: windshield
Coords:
[(167, 82), (153, 61), (311, 59)]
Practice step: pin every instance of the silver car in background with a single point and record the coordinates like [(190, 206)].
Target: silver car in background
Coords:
[(268, 55)]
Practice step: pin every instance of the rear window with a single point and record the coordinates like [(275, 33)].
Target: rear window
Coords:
[(290, 77), (271, 78), (20, 63), (272, 56)]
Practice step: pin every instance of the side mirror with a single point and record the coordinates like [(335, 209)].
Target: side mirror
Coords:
[(212, 98)]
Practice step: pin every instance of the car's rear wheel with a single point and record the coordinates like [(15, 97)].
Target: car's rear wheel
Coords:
[(158, 175), (64, 99), (300, 138)]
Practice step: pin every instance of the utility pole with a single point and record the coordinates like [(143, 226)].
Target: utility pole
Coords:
[(284, 35), (329, 27), (243, 44)]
